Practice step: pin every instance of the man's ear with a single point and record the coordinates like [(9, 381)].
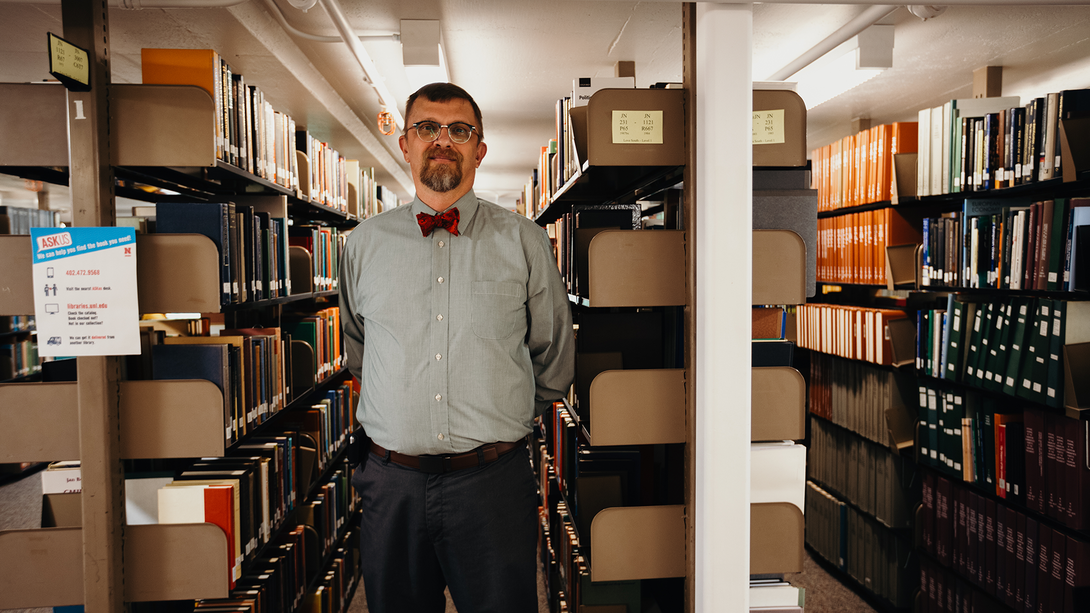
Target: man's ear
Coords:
[(403, 143), (481, 150)]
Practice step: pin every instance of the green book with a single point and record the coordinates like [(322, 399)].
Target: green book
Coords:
[(982, 332), (973, 345), (1057, 245), (954, 410), (1054, 371), (1034, 368), (997, 353), (955, 339), (923, 434), (1023, 311)]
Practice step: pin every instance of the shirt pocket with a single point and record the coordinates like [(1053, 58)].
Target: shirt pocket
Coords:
[(498, 308)]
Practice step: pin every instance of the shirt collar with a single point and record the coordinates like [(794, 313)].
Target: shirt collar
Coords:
[(467, 207)]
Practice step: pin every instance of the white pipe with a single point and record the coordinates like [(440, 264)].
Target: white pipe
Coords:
[(370, 72), (861, 22), (290, 29)]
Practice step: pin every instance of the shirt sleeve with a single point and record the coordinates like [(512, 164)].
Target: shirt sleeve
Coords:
[(350, 324), (550, 338)]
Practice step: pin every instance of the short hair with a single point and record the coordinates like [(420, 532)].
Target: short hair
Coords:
[(445, 92)]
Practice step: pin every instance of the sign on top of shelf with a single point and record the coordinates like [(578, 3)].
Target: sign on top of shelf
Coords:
[(85, 300), (637, 127), (768, 127), (70, 64)]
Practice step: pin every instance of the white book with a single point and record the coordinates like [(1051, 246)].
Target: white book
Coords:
[(142, 499), (936, 151), (923, 156), (947, 118), (776, 596), (62, 478), (778, 473), (583, 88)]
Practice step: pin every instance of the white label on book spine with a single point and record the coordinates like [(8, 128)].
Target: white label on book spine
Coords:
[(637, 127), (768, 127)]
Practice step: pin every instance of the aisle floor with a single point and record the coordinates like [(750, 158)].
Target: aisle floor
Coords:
[(21, 508)]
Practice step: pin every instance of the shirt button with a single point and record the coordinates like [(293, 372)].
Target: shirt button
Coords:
[(441, 244), (440, 279), (438, 397), (439, 317), (438, 356), (440, 436)]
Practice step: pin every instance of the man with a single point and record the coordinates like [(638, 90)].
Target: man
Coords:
[(468, 338)]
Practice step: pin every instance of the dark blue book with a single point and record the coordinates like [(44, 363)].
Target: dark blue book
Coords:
[(212, 219), (210, 362)]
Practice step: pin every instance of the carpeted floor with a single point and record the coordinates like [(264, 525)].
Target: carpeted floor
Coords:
[(21, 508)]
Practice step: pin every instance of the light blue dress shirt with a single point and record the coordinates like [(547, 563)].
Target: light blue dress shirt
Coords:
[(468, 337)]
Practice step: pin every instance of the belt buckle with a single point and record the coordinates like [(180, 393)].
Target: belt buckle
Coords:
[(434, 464)]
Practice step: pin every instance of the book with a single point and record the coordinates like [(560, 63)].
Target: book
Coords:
[(215, 220), (64, 477), (585, 87), (194, 504), (199, 67), (210, 362)]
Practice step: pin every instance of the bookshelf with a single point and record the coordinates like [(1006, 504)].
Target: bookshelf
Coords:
[(300, 407), (627, 414), (996, 439)]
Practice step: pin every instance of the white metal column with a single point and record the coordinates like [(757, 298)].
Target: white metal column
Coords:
[(724, 159)]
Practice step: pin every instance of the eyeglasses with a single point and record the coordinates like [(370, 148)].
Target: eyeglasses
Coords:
[(458, 132)]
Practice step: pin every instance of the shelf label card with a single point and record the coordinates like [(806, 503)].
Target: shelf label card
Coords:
[(637, 127), (69, 63), (85, 300), (768, 127)]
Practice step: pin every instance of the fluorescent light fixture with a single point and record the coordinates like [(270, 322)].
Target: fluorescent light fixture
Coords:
[(853, 63), (422, 52)]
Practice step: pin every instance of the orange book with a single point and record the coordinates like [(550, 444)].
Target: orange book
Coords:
[(903, 139), (200, 67), (881, 155)]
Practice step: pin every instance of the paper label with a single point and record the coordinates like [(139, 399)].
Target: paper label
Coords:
[(85, 300), (68, 60), (768, 127), (637, 127)]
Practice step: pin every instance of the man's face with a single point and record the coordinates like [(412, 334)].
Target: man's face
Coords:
[(442, 165)]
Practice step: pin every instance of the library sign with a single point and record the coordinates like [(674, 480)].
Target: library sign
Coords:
[(85, 301)]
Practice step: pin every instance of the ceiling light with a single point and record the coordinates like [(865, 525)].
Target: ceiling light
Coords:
[(851, 64), (422, 52)]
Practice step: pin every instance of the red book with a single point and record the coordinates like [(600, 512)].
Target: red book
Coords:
[(185, 503)]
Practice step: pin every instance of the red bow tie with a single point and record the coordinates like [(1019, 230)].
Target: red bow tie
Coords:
[(447, 219)]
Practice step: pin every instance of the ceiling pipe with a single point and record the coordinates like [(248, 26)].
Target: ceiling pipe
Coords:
[(861, 22), (370, 72), (280, 17)]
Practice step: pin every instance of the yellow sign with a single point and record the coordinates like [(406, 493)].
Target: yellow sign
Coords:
[(768, 127), (68, 60), (637, 127)]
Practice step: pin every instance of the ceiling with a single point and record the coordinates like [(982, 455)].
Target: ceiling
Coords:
[(517, 57)]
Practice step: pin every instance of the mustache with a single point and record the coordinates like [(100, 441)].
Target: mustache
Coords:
[(444, 154)]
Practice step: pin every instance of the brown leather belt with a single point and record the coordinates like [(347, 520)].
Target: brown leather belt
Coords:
[(439, 464)]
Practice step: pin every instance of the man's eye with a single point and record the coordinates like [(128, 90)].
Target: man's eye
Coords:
[(459, 131)]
